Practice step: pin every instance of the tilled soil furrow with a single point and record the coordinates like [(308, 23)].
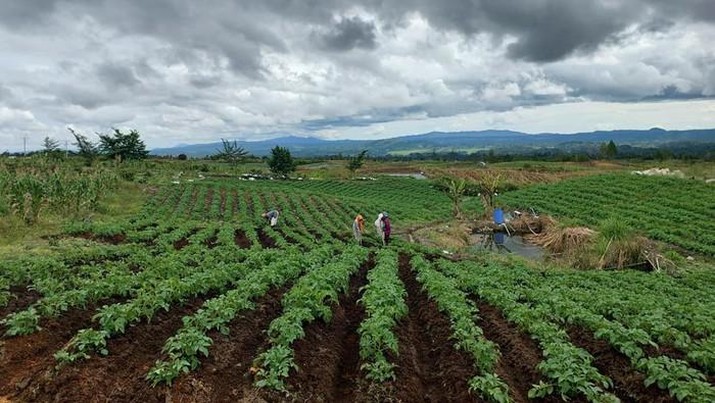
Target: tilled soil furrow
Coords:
[(266, 241), (120, 376), (225, 375), (328, 356), (628, 383), (428, 367), (21, 298), (23, 359), (519, 353), (241, 240)]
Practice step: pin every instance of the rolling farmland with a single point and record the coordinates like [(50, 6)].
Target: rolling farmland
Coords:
[(196, 298)]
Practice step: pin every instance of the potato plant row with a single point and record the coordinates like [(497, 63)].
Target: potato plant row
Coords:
[(211, 275), (309, 299), (543, 304), (384, 301), (468, 336), (183, 349)]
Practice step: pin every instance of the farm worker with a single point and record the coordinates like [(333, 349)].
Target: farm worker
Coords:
[(358, 228), (386, 229), (272, 216), (378, 226)]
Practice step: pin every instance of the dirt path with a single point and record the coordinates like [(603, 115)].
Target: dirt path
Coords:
[(224, 376), (328, 356), (428, 367), (519, 353)]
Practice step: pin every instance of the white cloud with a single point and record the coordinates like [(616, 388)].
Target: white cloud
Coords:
[(182, 73)]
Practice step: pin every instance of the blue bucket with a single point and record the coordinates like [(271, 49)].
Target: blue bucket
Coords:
[(498, 216)]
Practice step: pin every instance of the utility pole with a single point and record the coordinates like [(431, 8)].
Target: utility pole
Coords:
[(24, 144)]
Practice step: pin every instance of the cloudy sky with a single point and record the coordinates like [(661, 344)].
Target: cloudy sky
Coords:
[(186, 71)]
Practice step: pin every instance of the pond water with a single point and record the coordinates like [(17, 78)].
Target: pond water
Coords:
[(501, 242)]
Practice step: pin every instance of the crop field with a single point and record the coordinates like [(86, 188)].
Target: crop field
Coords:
[(196, 298), (680, 212)]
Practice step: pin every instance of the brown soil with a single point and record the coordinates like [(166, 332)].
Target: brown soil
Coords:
[(241, 240), (328, 356), (23, 359), (118, 377), (181, 243), (22, 297), (628, 384), (225, 375), (428, 367), (266, 241), (519, 353)]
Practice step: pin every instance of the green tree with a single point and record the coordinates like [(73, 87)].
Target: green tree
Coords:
[(357, 162), (122, 146), (609, 150), (280, 162), (51, 148), (50, 145), (231, 152), (87, 149)]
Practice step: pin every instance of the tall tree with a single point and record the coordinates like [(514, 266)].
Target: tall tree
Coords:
[(357, 162), (609, 150), (50, 145), (51, 148), (280, 162), (87, 149), (122, 146), (231, 152)]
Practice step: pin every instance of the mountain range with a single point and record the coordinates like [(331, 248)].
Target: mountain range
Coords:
[(441, 142)]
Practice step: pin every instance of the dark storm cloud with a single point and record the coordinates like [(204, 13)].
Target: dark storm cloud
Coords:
[(544, 30), (351, 33), (116, 75), (20, 14), (88, 98)]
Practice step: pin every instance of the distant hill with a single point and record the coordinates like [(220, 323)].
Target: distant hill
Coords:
[(504, 140)]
